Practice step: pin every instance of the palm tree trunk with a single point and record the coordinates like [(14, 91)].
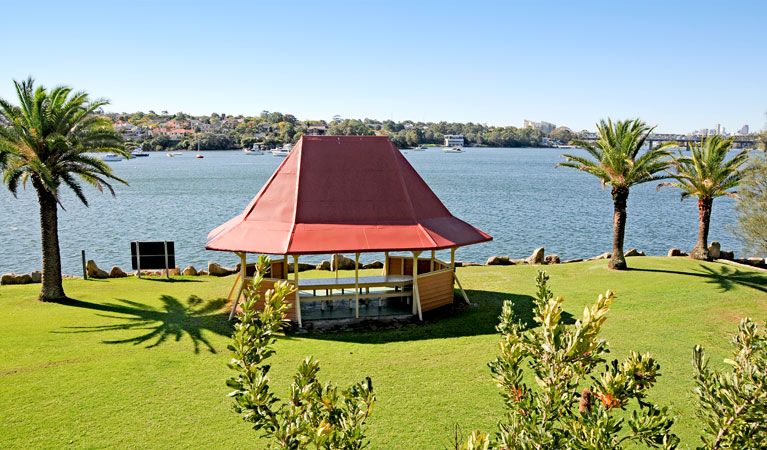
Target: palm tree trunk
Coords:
[(701, 248), (52, 288), (620, 196)]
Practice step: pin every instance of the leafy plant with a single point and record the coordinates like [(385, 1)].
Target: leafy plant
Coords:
[(557, 412), (733, 404), (707, 174), (314, 415), (751, 208), (614, 158)]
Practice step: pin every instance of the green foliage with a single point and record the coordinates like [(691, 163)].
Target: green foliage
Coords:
[(733, 404), (553, 414), (562, 134), (314, 415), (751, 208), (351, 127), (706, 173)]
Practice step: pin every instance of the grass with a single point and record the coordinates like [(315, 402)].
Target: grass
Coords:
[(142, 363)]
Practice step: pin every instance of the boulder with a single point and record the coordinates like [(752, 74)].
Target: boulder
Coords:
[(605, 255), (374, 265), (715, 249), (174, 272), (117, 272), (518, 261), (93, 270), (756, 262), (189, 271), (727, 254), (498, 261), (302, 267), (675, 252), (202, 272), (37, 276), (551, 259), (632, 252), (458, 263), (341, 262), (324, 265), (536, 257), (217, 270), (470, 264), (15, 278), (572, 260), (150, 273)]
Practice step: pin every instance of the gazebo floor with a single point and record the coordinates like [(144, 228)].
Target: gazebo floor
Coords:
[(344, 309)]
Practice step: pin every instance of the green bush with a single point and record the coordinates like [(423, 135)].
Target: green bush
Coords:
[(314, 416)]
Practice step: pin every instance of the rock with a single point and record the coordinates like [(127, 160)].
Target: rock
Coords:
[(675, 252), (551, 259), (715, 249), (498, 261), (536, 257), (632, 252), (93, 270), (302, 267), (374, 265), (117, 272), (605, 255), (641, 253), (217, 270), (471, 264), (518, 261), (458, 263), (15, 278), (341, 262), (756, 262), (324, 265), (150, 273), (189, 271), (202, 272), (572, 260), (174, 272), (37, 276), (727, 254)]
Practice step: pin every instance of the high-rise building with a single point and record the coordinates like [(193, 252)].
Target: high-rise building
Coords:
[(743, 130), (718, 129)]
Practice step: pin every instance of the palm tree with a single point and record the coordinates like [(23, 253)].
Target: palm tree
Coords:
[(615, 160), (49, 140), (706, 175)]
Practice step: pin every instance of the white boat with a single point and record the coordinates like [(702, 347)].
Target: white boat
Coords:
[(453, 150), (420, 148), (138, 153), (282, 151), (172, 154), (112, 157), (256, 150)]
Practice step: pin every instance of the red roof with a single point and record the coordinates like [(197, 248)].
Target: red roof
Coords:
[(343, 194)]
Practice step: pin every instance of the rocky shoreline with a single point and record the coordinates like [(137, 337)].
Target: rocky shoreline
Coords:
[(538, 257)]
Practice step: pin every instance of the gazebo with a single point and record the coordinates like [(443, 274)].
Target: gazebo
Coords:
[(349, 194)]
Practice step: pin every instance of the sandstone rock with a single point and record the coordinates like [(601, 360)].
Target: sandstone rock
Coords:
[(189, 271), (727, 254), (117, 272), (632, 252), (374, 265), (172, 272), (15, 278), (471, 264), (36, 276), (605, 255), (458, 263), (150, 273), (324, 265), (93, 270), (536, 257), (217, 270), (518, 261), (24, 278), (551, 259), (715, 249), (341, 262), (641, 253), (675, 252), (756, 262), (202, 272), (498, 261), (572, 260), (302, 267)]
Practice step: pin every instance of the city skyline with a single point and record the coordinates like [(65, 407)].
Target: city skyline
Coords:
[(493, 63)]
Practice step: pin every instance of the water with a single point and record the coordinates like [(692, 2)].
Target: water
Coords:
[(515, 195)]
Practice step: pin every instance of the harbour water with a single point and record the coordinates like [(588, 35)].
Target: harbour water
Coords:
[(515, 195)]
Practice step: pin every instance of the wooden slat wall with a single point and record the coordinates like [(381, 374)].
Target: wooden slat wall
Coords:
[(278, 269), (436, 290), (267, 284), (424, 265)]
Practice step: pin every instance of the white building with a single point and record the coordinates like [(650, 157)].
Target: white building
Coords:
[(545, 127), (453, 140)]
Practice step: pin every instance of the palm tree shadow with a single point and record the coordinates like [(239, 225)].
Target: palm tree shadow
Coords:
[(172, 320), (726, 277), (452, 321)]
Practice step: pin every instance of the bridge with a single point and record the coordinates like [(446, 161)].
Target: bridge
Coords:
[(655, 139)]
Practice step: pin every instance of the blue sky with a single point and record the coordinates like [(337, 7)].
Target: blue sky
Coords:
[(679, 65)]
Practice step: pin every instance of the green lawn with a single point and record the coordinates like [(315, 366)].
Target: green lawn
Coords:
[(137, 364)]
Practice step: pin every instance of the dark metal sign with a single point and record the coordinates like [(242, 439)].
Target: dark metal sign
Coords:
[(152, 255)]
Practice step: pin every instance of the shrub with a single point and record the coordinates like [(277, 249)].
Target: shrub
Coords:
[(553, 414), (314, 415)]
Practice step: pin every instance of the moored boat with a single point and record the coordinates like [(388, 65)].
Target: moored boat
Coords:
[(256, 150), (112, 157), (138, 153), (453, 150), (282, 151)]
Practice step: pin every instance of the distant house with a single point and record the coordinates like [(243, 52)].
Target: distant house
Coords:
[(317, 130), (453, 140)]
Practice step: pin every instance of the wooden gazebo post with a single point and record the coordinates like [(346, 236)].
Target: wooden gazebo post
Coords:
[(298, 299), (455, 276), (356, 285), (416, 295), (243, 274)]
